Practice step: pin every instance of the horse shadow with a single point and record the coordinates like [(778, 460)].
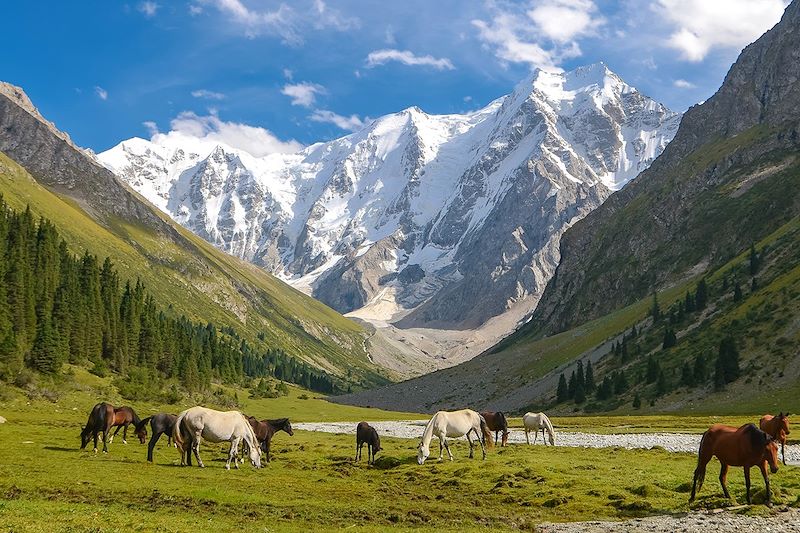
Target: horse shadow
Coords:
[(60, 449)]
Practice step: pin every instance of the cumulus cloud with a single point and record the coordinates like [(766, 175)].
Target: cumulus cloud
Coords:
[(351, 123), (380, 57), (303, 93), (211, 129), (101, 93), (542, 34), (148, 9), (700, 26), (152, 127), (208, 95), (683, 84)]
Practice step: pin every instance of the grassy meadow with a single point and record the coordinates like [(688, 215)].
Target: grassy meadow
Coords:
[(47, 484)]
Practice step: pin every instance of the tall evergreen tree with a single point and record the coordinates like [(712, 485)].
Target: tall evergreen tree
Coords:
[(562, 393)]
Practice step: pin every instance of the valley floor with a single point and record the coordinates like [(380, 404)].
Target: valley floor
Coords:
[(47, 484)]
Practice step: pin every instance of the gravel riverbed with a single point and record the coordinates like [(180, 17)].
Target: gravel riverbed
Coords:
[(672, 442)]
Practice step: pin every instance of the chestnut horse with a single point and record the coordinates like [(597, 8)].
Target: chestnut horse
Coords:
[(497, 423), (265, 430), (100, 419), (746, 446), (123, 417), (778, 427), (366, 434)]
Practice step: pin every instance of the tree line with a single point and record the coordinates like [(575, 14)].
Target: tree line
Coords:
[(56, 307)]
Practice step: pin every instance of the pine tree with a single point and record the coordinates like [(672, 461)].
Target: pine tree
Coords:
[(755, 261), (701, 295), (620, 383), (562, 393), (572, 386), (687, 376), (655, 310), (670, 339), (661, 384), (589, 383), (727, 364), (637, 401), (737, 292), (653, 369)]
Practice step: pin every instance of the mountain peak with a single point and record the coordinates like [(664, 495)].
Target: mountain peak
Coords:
[(18, 97)]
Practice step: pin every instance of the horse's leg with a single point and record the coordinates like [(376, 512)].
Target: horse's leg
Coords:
[(747, 483), (441, 448), (355, 460), (723, 480), (111, 439), (481, 443), (527, 436), (151, 445), (496, 436), (196, 448), (269, 445), (535, 435), (544, 439), (94, 435), (233, 454), (447, 447), (763, 467), (105, 441), (125, 434), (470, 444), (783, 450)]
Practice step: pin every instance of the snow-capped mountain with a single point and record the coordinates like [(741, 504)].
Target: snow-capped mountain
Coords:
[(431, 220)]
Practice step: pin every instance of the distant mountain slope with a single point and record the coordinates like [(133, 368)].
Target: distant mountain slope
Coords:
[(98, 213), (727, 181), (433, 221)]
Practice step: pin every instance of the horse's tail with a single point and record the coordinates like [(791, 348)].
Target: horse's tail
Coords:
[(501, 418), (142, 423), (487, 434), (177, 436), (700, 470)]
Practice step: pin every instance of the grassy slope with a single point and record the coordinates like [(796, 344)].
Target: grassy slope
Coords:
[(202, 282), (46, 484)]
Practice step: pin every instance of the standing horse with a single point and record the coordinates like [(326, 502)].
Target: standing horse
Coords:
[(100, 419), (535, 422), (453, 424), (746, 446), (160, 424), (215, 426), (366, 434), (123, 417), (497, 422), (778, 427), (265, 430)]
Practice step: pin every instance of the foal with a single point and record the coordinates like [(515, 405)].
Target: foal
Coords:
[(366, 434)]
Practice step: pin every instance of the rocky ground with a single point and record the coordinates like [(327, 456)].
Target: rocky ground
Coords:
[(672, 442), (786, 519)]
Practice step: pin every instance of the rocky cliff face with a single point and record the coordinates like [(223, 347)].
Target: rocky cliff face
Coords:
[(707, 197), (451, 219)]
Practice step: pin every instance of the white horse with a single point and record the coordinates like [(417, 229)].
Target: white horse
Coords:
[(535, 422), (453, 424), (216, 426)]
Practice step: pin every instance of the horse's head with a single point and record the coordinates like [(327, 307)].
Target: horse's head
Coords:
[(505, 437), (423, 451), (141, 432), (287, 427), (771, 454), (255, 456), (84, 437), (783, 422)]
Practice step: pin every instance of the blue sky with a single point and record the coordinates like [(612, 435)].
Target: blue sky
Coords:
[(308, 70)]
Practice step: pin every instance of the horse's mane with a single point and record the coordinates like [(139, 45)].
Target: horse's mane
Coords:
[(502, 418), (278, 422), (142, 423), (758, 439)]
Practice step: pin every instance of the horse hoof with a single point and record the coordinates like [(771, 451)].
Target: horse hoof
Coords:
[(124, 441)]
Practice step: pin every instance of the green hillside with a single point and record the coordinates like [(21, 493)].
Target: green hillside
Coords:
[(198, 281)]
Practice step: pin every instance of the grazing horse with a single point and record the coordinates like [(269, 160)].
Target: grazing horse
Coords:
[(778, 427), (453, 424), (535, 422), (366, 434), (123, 417), (265, 429), (215, 426), (100, 420), (497, 423), (746, 446), (161, 423)]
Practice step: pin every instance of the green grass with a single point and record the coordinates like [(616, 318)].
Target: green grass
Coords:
[(47, 484), (197, 280)]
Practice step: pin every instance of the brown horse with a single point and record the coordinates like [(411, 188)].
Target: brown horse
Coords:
[(366, 434), (778, 427), (497, 423), (100, 419), (265, 429), (123, 417), (746, 446)]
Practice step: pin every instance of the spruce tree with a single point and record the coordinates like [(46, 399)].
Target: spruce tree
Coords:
[(701, 295), (589, 383), (737, 292), (754, 260), (637, 401), (670, 339), (562, 393), (655, 310)]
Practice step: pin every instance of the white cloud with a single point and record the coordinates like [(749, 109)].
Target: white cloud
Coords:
[(303, 93), (281, 22), (683, 84), (467, 99), (389, 36), (379, 57), (195, 9), (565, 20), (210, 128), (288, 74), (351, 123), (544, 35), (148, 9), (332, 18), (700, 26), (152, 127), (101, 93), (208, 95)]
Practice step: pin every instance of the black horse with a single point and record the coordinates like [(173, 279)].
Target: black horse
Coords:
[(366, 434), (265, 429), (161, 423), (100, 420)]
